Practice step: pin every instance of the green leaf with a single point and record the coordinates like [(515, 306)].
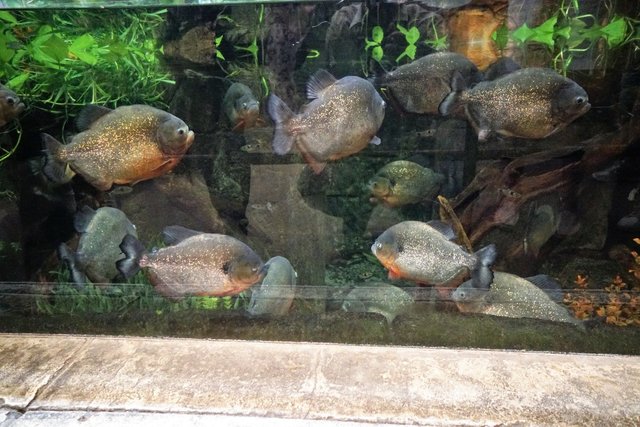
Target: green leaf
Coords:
[(564, 32), (80, 47), (218, 40), (547, 26), (17, 82), (377, 53), (412, 36), (55, 48), (219, 55), (6, 53), (615, 31), (82, 42), (377, 34), (501, 36), (7, 17), (522, 33)]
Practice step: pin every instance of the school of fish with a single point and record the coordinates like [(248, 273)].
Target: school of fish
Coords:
[(343, 116)]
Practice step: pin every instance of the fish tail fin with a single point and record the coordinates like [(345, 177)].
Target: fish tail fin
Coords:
[(55, 169), (69, 258), (452, 101), (482, 276), (133, 251), (281, 114)]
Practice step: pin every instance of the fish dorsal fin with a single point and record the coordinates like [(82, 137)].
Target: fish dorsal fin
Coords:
[(89, 114), (547, 284), (83, 218), (321, 80), (174, 234), (442, 227)]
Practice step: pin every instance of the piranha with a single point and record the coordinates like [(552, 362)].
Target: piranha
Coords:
[(381, 298), (195, 263), (403, 182), (341, 119), (275, 294), (509, 295), (122, 146), (529, 103), (241, 107), (424, 253), (10, 105), (101, 232), (420, 86)]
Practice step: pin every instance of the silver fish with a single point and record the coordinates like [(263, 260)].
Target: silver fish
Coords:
[(341, 119), (123, 146), (511, 296), (403, 182), (424, 253), (381, 298), (10, 105), (420, 86), (274, 295), (101, 232), (240, 106), (527, 103), (200, 264)]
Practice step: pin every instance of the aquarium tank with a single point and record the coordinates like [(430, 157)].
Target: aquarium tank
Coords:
[(458, 173)]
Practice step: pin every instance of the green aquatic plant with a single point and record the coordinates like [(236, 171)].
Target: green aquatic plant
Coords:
[(57, 60), (411, 35), (568, 34), (377, 35)]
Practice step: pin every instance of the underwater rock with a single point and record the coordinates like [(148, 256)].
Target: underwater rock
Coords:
[(192, 98), (280, 219), (274, 295), (172, 199), (196, 45), (378, 297)]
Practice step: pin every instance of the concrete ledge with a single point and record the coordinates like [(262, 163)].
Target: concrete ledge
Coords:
[(58, 378)]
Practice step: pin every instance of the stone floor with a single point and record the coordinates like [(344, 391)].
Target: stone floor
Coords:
[(79, 380)]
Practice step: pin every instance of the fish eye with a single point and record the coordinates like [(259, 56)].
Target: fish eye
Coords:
[(180, 131), (461, 295), (378, 245), (580, 100), (244, 105), (11, 101)]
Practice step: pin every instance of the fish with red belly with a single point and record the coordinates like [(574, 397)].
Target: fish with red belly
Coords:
[(200, 264), (424, 253), (341, 119), (123, 146)]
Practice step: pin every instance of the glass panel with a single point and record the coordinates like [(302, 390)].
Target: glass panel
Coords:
[(456, 173)]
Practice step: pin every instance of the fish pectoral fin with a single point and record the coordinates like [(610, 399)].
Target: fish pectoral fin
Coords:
[(394, 276), (239, 127), (315, 165)]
